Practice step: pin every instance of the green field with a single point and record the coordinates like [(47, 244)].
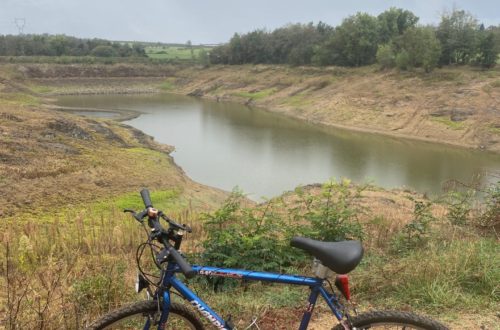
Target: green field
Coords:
[(175, 52)]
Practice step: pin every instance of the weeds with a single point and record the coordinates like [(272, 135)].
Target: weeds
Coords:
[(459, 206), (85, 264), (416, 233)]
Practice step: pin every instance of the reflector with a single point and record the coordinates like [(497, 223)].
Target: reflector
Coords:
[(342, 283)]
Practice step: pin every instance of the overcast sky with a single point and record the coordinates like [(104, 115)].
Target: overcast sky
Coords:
[(206, 21)]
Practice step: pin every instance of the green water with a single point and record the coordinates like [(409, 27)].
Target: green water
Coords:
[(226, 145)]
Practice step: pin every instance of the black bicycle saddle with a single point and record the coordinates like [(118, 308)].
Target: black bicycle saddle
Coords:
[(341, 257)]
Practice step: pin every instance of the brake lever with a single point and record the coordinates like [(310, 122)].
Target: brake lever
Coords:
[(186, 228), (137, 216)]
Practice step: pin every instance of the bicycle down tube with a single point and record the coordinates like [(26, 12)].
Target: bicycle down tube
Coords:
[(316, 285)]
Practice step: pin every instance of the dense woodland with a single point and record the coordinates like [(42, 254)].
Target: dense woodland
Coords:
[(61, 45), (394, 39)]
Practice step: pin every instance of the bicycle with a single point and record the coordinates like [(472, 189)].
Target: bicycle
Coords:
[(161, 313)]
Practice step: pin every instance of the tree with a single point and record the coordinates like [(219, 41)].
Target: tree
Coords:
[(422, 47), (386, 56), (458, 34), (394, 22), (189, 45), (103, 51), (355, 41), (487, 50), (203, 57), (219, 55)]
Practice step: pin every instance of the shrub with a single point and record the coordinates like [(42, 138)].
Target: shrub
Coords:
[(333, 215), (416, 233), (459, 207), (385, 56), (490, 216), (240, 237), (403, 60), (258, 238), (103, 51)]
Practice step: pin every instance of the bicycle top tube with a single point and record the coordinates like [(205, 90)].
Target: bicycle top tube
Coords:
[(257, 276)]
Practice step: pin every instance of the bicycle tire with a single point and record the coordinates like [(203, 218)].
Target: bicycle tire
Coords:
[(134, 316), (393, 320)]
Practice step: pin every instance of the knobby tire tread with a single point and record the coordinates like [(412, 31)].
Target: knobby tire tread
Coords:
[(396, 317), (143, 307)]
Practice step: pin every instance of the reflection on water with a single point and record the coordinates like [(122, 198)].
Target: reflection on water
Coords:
[(227, 145)]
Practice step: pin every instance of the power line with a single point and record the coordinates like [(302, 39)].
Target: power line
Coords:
[(20, 23)]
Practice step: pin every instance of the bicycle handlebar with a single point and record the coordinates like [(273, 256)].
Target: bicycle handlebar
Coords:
[(161, 234), (146, 198)]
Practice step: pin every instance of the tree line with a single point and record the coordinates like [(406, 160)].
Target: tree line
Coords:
[(393, 39), (62, 45)]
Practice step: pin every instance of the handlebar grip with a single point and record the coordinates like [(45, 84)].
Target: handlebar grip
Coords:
[(183, 264), (146, 198)]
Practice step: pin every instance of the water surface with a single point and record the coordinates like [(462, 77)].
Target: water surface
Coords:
[(226, 145)]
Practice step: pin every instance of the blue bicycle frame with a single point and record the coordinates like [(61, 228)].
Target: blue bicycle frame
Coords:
[(170, 280)]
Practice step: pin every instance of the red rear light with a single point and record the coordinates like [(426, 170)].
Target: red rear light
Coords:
[(342, 283)]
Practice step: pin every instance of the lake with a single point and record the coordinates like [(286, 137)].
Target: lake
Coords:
[(226, 145)]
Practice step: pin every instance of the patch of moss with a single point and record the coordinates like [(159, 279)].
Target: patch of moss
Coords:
[(455, 125)]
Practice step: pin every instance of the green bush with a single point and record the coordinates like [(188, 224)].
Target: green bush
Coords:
[(385, 56), (459, 207), (245, 238), (416, 233), (333, 216), (490, 216), (258, 238), (403, 60)]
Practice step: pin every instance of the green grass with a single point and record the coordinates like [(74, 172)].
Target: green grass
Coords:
[(18, 98), (455, 125), (174, 52), (257, 95), (41, 89), (447, 274), (167, 85)]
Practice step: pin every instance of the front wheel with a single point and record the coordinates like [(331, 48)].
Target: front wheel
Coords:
[(393, 320), (139, 314)]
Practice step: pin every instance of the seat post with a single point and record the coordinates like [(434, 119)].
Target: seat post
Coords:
[(319, 270)]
